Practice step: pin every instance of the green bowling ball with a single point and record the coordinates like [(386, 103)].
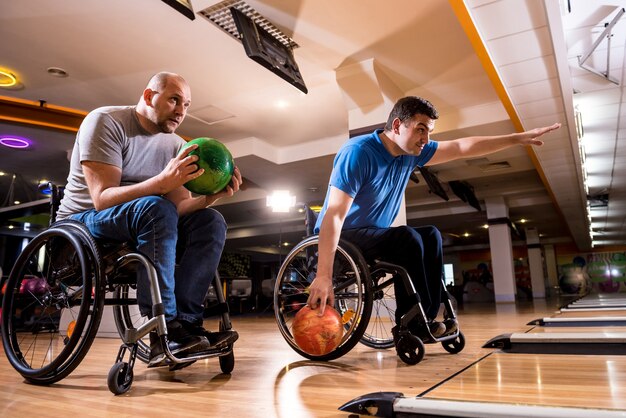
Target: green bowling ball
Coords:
[(218, 166)]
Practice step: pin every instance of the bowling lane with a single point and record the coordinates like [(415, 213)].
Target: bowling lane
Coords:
[(602, 297), (583, 381), (611, 302), (605, 330), (586, 314), (573, 318), (607, 310)]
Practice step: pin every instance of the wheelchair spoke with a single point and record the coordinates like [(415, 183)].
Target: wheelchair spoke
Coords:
[(378, 333)]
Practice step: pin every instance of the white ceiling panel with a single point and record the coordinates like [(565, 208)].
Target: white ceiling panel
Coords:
[(528, 71), (542, 89), (521, 46), (519, 15), (538, 108)]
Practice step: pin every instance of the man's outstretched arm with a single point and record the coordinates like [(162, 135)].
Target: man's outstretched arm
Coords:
[(476, 146)]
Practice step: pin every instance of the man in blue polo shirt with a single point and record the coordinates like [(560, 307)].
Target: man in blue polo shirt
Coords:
[(369, 176)]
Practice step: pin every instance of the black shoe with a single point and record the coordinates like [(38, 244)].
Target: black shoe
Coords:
[(437, 329), (221, 339), (218, 339), (179, 341), (157, 354), (451, 326)]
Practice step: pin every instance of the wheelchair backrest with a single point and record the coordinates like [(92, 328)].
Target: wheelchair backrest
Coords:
[(56, 194), (309, 220)]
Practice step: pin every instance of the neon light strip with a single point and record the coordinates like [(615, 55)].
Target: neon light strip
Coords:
[(12, 79), (13, 142)]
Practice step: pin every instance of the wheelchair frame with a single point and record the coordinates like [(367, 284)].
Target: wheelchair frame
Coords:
[(362, 292), (74, 279)]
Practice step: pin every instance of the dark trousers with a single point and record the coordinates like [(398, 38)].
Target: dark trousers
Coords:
[(418, 250)]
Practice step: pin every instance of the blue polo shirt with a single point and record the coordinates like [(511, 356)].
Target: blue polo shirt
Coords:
[(364, 169)]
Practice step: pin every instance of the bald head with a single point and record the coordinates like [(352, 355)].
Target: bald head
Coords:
[(159, 81)]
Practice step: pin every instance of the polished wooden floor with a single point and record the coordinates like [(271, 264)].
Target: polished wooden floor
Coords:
[(271, 380)]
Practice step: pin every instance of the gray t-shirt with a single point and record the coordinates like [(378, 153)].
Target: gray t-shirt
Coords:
[(113, 135)]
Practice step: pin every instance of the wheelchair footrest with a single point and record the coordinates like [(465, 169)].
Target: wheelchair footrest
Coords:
[(212, 352), (183, 360)]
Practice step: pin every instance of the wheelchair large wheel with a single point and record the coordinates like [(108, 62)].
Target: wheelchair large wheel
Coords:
[(383, 318), (127, 316), (351, 285), (53, 303)]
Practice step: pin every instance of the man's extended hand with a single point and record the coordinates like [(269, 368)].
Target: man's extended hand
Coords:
[(530, 137), (321, 293)]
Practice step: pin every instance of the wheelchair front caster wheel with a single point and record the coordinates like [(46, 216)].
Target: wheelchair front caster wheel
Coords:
[(120, 378), (454, 346), (227, 363), (410, 349)]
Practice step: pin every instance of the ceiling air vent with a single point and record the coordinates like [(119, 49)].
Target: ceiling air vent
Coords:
[(500, 165), (262, 41), (210, 115), (219, 14), (485, 165)]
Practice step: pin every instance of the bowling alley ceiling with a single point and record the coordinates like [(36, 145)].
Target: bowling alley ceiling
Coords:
[(489, 66)]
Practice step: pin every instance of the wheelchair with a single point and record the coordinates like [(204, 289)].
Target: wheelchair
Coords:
[(365, 299), (54, 300)]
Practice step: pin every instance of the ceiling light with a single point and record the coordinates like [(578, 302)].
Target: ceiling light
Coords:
[(14, 142), (57, 72), (7, 79), (281, 201), (578, 119)]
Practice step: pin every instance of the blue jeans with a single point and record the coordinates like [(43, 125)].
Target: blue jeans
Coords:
[(152, 225), (418, 250)]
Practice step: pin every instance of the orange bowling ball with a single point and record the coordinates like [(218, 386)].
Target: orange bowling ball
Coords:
[(317, 335)]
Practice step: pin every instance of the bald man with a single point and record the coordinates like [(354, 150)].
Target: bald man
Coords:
[(126, 184)]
